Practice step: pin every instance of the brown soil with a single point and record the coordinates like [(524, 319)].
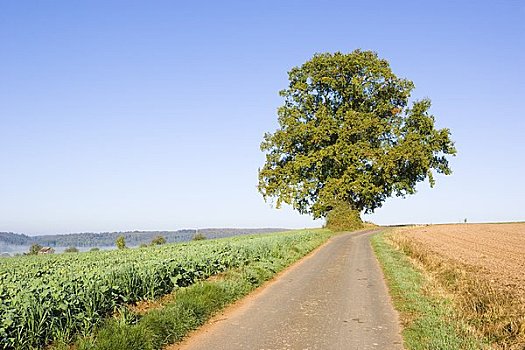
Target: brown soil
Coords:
[(143, 306), (496, 250)]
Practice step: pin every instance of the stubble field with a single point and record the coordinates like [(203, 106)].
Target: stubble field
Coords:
[(481, 267), (498, 250)]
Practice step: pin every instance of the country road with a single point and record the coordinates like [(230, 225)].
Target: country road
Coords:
[(334, 299)]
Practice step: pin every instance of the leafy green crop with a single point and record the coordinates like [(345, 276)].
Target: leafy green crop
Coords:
[(53, 297)]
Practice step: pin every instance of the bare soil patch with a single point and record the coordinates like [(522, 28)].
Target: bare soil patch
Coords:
[(497, 250)]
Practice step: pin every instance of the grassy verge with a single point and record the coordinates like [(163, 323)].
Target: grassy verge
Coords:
[(426, 313), (192, 306)]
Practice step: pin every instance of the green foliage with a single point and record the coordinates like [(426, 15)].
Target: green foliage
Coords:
[(343, 218), (34, 249), (48, 298), (71, 250), (121, 242), (198, 237), (159, 240), (347, 133), (94, 249), (11, 238), (193, 305)]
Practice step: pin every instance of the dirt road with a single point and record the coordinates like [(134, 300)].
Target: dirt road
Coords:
[(333, 299)]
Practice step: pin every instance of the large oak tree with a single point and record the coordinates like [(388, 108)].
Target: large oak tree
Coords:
[(349, 138)]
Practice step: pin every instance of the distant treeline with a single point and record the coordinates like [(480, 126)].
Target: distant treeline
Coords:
[(133, 238)]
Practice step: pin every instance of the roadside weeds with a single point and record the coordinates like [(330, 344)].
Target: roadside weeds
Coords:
[(426, 312)]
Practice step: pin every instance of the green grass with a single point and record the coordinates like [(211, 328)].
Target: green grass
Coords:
[(428, 319), (192, 306)]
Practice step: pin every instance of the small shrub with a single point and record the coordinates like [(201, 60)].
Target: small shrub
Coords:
[(159, 240), (198, 237), (343, 218), (121, 242), (71, 250), (34, 249)]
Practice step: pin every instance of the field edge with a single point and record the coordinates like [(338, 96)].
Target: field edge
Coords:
[(427, 318), (192, 306)]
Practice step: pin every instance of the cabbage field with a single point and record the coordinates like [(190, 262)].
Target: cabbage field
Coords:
[(49, 297)]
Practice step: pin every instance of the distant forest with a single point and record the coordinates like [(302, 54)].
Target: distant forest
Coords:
[(133, 238)]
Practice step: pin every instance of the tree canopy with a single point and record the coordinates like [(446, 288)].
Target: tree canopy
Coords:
[(348, 136), (34, 249)]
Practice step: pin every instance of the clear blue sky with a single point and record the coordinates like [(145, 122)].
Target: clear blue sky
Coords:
[(123, 115)]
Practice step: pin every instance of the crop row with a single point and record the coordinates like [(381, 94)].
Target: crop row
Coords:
[(45, 298)]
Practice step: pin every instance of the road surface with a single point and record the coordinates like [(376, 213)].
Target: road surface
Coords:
[(334, 299)]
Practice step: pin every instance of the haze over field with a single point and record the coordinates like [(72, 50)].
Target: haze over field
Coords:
[(121, 116), (18, 243)]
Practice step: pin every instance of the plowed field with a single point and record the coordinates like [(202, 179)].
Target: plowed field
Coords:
[(498, 250), (481, 267)]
